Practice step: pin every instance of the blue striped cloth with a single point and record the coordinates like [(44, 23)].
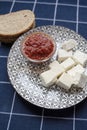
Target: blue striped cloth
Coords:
[(15, 112)]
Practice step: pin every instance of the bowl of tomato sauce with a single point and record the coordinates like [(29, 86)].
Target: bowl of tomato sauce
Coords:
[(38, 47)]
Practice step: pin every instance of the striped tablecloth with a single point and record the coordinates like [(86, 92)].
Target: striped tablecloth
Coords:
[(15, 112)]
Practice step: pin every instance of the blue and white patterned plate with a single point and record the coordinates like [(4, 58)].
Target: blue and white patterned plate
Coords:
[(24, 75)]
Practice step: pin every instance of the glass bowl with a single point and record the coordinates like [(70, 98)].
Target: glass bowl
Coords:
[(38, 47)]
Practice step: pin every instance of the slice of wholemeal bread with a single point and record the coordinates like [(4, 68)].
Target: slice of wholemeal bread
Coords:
[(14, 24)]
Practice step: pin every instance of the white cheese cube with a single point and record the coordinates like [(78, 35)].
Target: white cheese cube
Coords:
[(65, 81), (63, 54), (70, 44), (80, 57), (55, 66), (80, 80), (49, 77), (68, 64), (78, 68)]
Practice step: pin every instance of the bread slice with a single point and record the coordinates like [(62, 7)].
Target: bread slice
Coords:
[(14, 24)]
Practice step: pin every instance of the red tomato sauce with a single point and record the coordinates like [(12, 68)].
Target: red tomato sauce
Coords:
[(38, 46)]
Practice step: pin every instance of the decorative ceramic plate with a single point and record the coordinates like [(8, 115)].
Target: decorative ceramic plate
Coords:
[(25, 79)]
